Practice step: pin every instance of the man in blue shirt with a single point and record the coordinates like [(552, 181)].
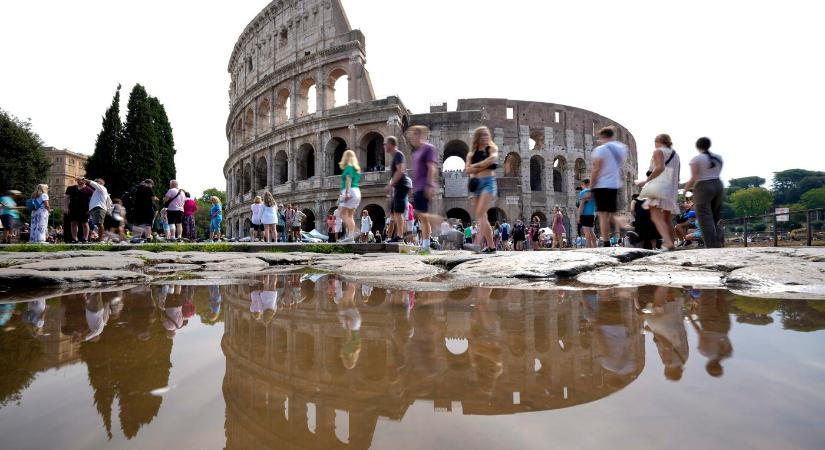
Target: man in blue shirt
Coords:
[(587, 213), (505, 235)]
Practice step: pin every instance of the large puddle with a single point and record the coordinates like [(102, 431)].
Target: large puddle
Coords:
[(313, 361)]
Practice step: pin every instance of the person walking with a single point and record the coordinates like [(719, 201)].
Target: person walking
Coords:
[(164, 223), (519, 235), (534, 232), (558, 228), (608, 160), (173, 201), (482, 161), (257, 231), (350, 193), (331, 228), (298, 218), (77, 199), (661, 188), (708, 192), (216, 217), (289, 213), (366, 225), (9, 215), (99, 206), (425, 180), (40, 209), (190, 207), (268, 218), (398, 188), (143, 209), (587, 213), (505, 235)]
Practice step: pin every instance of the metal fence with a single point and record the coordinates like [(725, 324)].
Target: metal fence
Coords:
[(795, 226)]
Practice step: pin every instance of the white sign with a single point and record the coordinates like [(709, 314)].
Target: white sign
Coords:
[(784, 217), (512, 200)]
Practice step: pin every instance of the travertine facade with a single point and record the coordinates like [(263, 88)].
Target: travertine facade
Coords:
[(286, 133), (64, 168)]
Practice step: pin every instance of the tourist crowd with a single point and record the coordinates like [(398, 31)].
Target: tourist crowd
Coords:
[(657, 218)]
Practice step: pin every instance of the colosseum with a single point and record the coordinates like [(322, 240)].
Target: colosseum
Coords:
[(300, 95)]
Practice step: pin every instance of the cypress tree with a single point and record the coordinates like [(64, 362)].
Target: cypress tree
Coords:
[(104, 162), (166, 143), (140, 156), (23, 162)]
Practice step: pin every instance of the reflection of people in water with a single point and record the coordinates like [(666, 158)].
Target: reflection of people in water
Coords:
[(265, 302), (350, 319), (666, 322), (97, 316), (712, 327), (484, 347), (214, 303), (170, 302), (614, 337), (36, 315)]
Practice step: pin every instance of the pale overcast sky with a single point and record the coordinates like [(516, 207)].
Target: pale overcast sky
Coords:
[(747, 74)]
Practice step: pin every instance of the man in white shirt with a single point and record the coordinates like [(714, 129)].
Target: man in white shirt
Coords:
[(174, 200), (606, 179), (99, 205)]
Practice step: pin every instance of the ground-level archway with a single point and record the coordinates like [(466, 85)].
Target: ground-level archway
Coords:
[(457, 148), (281, 171), (373, 145), (461, 214), (309, 222), (496, 215), (537, 174), (305, 167), (377, 215), (542, 218)]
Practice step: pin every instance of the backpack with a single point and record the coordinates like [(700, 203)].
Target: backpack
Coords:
[(32, 204)]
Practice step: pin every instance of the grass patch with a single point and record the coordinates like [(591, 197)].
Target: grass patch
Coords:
[(52, 248), (157, 247), (328, 249)]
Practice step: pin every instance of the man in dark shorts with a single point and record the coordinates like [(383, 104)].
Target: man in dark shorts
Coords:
[(143, 208), (425, 180), (398, 187), (519, 235), (608, 160), (76, 200), (587, 213)]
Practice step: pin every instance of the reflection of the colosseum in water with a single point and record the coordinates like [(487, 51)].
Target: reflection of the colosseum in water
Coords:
[(287, 376)]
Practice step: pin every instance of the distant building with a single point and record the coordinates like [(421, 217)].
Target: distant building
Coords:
[(64, 168)]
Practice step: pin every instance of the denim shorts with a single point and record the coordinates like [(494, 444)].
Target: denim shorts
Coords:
[(486, 184)]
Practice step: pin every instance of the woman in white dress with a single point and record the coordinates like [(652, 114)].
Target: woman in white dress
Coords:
[(257, 231), (40, 214), (661, 188), (269, 218)]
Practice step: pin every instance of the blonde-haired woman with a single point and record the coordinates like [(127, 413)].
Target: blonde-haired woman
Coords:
[(257, 229), (481, 164), (350, 193), (661, 188), (269, 218), (40, 208), (216, 217)]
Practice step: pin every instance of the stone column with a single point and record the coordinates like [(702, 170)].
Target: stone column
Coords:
[(290, 160)]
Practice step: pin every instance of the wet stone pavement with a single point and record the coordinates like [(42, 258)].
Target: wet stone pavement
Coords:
[(320, 361)]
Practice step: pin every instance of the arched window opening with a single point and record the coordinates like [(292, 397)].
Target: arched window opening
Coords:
[(309, 222), (454, 163), (282, 107), (373, 143), (335, 149), (581, 171), (304, 98), (536, 140), (536, 174), (249, 125), (377, 215), (512, 165), (559, 172), (460, 214), (305, 167), (264, 123), (456, 148), (496, 215), (261, 174), (281, 171), (312, 100), (247, 178), (337, 88)]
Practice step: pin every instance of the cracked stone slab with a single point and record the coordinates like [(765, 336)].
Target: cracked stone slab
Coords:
[(397, 267), (730, 259), (29, 277), (450, 260), (658, 275), (236, 265), (564, 264), (173, 267), (206, 258), (98, 262), (803, 280)]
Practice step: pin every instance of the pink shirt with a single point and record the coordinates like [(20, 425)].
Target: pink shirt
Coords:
[(410, 213), (190, 207)]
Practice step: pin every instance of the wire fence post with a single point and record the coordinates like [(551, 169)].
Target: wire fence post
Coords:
[(745, 234), (810, 227)]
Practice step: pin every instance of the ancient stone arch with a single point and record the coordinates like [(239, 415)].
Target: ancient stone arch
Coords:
[(372, 145), (307, 96), (496, 215), (559, 174), (261, 178), (337, 81), (282, 107), (460, 213), (264, 122), (249, 125), (536, 139), (537, 173), (335, 149), (581, 171), (305, 162), (280, 168), (512, 165)]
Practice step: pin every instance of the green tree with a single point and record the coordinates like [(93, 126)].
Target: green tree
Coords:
[(202, 217), (23, 163), (104, 162), (815, 198), (139, 158), (751, 201), (166, 143), (788, 184), (735, 184)]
